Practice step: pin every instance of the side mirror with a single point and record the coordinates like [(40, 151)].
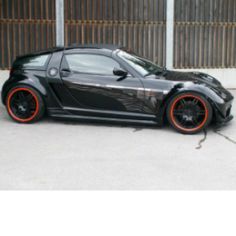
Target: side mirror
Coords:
[(121, 73)]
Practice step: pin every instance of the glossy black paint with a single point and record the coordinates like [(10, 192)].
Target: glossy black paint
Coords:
[(130, 98)]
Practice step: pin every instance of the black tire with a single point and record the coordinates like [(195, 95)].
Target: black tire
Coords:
[(189, 113), (24, 104)]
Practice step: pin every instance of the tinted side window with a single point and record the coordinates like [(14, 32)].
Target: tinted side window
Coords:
[(35, 61), (93, 64)]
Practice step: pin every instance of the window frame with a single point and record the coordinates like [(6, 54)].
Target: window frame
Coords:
[(65, 64)]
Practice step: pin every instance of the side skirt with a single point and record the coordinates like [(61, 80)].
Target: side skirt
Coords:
[(103, 116)]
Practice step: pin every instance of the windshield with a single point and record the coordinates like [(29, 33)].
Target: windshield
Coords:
[(143, 66)]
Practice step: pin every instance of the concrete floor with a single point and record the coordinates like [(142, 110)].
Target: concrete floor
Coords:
[(68, 155)]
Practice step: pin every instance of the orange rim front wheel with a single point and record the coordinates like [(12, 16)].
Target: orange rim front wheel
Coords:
[(189, 113)]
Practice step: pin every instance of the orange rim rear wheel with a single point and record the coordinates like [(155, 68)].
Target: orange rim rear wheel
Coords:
[(22, 104)]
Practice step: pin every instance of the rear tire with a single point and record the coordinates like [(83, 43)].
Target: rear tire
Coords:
[(24, 104), (189, 113)]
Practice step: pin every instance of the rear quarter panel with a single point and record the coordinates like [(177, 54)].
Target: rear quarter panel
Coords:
[(32, 78)]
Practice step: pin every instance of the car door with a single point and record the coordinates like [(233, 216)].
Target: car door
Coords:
[(90, 79)]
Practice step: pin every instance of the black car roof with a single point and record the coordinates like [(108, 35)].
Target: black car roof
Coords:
[(95, 46), (110, 47)]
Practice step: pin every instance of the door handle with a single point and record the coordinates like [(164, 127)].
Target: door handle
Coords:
[(65, 72)]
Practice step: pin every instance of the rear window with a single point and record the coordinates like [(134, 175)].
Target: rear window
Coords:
[(32, 62)]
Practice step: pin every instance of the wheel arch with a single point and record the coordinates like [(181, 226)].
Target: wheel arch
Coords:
[(205, 92), (38, 108), (39, 88)]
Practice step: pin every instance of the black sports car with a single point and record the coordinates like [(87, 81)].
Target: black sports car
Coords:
[(107, 83)]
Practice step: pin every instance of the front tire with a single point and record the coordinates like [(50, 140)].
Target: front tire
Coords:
[(24, 104), (189, 113)]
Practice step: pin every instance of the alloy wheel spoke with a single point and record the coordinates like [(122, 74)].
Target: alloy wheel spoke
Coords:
[(28, 112), (178, 112), (21, 96), (183, 102), (23, 104), (16, 103), (200, 112), (191, 114), (28, 98), (195, 101), (194, 121)]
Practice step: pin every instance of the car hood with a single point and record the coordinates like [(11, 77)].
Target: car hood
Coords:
[(195, 77)]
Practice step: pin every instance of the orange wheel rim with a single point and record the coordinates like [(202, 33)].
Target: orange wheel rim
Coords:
[(189, 117), (32, 106)]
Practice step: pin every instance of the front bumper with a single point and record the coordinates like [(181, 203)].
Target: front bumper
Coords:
[(223, 113), (222, 122)]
